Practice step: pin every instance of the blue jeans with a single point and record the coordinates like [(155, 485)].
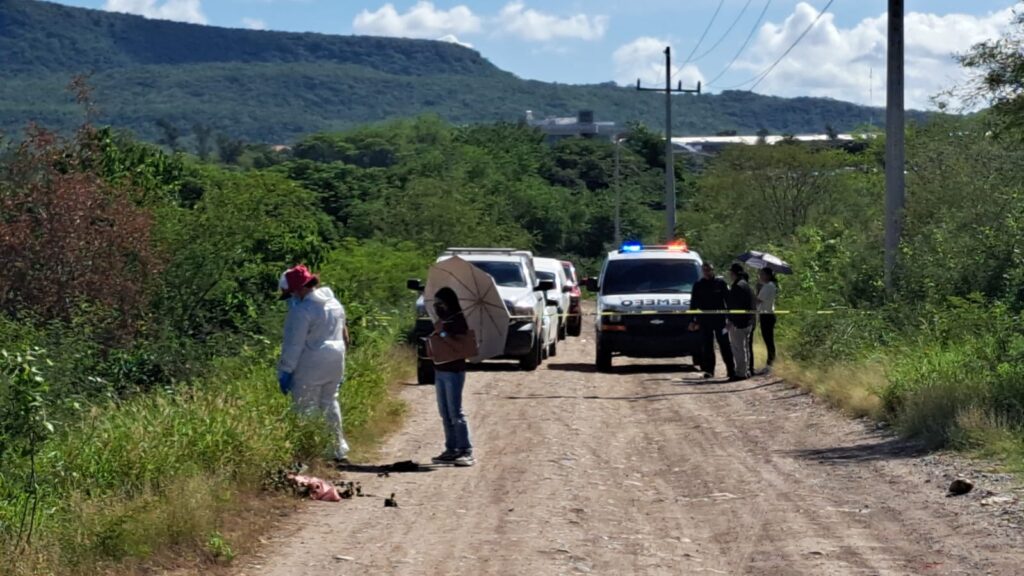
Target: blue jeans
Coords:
[(448, 386)]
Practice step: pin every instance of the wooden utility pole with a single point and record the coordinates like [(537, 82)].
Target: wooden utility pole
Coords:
[(670, 172), (895, 153)]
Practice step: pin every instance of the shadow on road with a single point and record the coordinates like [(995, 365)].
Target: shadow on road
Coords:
[(494, 367), (880, 448), (384, 468), (628, 369), (641, 397)]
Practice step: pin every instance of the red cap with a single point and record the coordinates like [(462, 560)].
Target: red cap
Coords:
[(298, 277)]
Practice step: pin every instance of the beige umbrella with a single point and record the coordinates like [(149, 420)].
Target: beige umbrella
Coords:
[(481, 302)]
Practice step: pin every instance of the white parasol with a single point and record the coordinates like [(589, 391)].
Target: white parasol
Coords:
[(482, 305)]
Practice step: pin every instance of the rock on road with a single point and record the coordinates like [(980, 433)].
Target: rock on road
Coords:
[(650, 470)]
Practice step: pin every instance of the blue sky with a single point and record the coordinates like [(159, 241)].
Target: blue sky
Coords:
[(589, 41)]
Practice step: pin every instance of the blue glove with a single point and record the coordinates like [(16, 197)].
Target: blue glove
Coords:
[(284, 381)]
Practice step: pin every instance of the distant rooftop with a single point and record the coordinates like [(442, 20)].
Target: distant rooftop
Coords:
[(703, 143), (583, 124)]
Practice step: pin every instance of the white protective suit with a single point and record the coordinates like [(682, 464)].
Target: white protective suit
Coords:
[(314, 353)]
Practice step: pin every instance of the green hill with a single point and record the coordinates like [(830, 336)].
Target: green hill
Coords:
[(274, 86)]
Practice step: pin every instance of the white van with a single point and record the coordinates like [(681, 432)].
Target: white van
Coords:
[(523, 293), (643, 296)]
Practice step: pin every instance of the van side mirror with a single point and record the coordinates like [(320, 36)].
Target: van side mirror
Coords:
[(545, 285), (567, 288), (592, 285), (415, 284)]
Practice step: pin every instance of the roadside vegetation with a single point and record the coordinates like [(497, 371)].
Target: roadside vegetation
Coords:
[(139, 319), (942, 358)]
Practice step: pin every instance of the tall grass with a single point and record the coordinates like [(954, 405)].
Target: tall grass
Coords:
[(132, 479), (954, 379)]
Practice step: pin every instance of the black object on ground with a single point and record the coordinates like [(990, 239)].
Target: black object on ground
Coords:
[(960, 486), (391, 502), (403, 466)]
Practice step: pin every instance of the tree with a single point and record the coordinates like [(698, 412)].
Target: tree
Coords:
[(230, 149), (169, 135), (67, 236), (998, 67), (204, 140)]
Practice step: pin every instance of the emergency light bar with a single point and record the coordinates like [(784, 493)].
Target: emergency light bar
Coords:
[(675, 246)]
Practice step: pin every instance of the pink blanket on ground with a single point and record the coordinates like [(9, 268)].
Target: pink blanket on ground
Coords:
[(319, 489)]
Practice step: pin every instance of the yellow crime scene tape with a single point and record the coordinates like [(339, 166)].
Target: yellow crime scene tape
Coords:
[(680, 313)]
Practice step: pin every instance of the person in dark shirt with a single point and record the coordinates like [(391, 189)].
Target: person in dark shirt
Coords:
[(740, 324), (450, 379), (709, 294)]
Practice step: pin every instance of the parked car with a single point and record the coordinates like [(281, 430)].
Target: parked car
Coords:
[(551, 270), (523, 293), (549, 329), (643, 296), (574, 322)]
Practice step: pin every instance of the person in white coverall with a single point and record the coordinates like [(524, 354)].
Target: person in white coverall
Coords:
[(312, 364)]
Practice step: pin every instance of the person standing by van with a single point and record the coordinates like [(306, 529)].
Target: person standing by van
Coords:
[(709, 295), (449, 380), (740, 324), (766, 310)]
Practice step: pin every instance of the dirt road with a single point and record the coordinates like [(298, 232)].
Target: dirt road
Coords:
[(650, 470)]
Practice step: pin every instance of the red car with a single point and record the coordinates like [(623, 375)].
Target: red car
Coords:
[(574, 326)]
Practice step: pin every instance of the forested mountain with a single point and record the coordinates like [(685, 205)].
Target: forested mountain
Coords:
[(274, 86)]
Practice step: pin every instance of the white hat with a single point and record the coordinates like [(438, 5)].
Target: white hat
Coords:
[(283, 282)]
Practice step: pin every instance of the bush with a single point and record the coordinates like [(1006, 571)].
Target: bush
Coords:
[(167, 455)]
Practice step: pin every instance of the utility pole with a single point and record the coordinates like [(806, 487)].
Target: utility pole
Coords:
[(670, 173), (618, 195), (895, 153)]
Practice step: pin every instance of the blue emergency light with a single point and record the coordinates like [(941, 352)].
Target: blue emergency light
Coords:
[(631, 247)]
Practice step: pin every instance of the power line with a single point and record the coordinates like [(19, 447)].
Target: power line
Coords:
[(705, 34), (760, 77), (699, 42), (727, 32), (746, 42), (786, 53)]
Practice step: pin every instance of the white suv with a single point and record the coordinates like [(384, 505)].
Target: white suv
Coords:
[(643, 296), (517, 282)]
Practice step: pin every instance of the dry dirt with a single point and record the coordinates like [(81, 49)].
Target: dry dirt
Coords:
[(650, 470)]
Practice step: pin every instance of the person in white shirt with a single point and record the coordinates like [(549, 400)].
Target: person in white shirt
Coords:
[(312, 364), (766, 310)]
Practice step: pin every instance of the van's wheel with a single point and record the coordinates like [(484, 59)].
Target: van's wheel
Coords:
[(563, 331), (424, 371), (604, 359), (553, 351), (533, 357)]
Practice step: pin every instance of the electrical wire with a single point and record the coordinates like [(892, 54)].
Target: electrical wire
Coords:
[(705, 34), (707, 29), (743, 47), (760, 77), (726, 35)]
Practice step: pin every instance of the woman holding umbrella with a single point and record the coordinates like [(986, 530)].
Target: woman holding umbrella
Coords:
[(450, 379), (766, 310)]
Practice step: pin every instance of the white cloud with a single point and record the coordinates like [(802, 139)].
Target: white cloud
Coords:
[(529, 24), (254, 24), (838, 62), (644, 58), (423, 20), (180, 10), (454, 40)]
